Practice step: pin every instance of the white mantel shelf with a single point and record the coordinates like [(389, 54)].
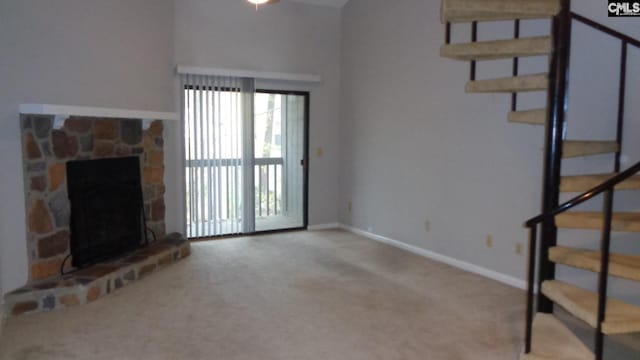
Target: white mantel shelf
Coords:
[(64, 110)]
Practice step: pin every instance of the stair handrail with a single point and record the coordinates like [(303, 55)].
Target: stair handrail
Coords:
[(554, 138), (608, 188), (552, 177), (607, 185), (625, 42), (601, 27)]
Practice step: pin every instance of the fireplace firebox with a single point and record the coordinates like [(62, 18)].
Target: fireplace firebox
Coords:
[(107, 211)]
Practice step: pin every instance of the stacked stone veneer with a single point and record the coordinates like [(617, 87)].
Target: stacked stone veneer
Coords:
[(46, 151)]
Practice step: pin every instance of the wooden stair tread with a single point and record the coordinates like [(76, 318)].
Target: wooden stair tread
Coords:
[(581, 183), (536, 82), (620, 265), (531, 117), (488, 10), (498, 49), (621, 318), (552, 340), (622, 221), (578, 148)]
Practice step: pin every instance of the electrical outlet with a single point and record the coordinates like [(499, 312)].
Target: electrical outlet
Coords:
[(427, 225), (349, 207), (489, 241), (519, 249)]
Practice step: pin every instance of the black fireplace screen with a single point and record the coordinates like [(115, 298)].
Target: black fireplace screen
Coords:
[(107, 211)]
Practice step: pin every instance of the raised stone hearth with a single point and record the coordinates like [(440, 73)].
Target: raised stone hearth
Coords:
[(91, 283)]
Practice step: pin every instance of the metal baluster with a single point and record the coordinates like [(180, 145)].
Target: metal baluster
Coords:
[(260, 190), (621, 102), (275, 189), (474, 38), (447, 33), (268, 187), (604, 272), (514, 96), (558, 97), (533, 236)]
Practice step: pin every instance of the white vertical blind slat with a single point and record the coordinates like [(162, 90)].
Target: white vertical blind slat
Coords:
[(219, 147), (192, 151), (248, 190), (213, 126), (183, 152), (234, 154), (217, 139), (201, 143), (211, 215), (238, 162)]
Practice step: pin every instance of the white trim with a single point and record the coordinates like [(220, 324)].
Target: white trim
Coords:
[(324, 226), (65, 110), (505, 279), (264, 75)]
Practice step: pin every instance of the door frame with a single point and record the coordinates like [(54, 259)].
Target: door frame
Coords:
[(305, 189), (305, 186)]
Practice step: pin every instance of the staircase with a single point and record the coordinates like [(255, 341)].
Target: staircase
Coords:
[(546, 337)]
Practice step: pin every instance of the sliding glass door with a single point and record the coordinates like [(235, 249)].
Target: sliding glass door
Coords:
[(279, 153), (245, 155)]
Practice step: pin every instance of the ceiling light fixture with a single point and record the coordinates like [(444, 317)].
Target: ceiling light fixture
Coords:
[(263, 2)]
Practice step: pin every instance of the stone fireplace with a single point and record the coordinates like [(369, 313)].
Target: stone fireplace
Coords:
[(50, 144), (46, 152)]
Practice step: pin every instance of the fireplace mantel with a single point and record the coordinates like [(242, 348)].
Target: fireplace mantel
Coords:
[(98, 112)]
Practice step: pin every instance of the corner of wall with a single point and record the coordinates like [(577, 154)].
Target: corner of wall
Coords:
[(431, 255), (3, 317)]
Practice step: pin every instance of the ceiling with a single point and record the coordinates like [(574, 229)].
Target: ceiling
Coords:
[(332, 3)]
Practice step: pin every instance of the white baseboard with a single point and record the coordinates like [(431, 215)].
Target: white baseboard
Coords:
[(494, 275), (324, 227)]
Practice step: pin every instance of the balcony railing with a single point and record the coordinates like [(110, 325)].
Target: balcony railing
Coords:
[(268, 173), (223, 177)]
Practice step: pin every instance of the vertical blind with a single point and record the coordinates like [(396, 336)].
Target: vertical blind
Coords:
[(217, 114), (294, 151)]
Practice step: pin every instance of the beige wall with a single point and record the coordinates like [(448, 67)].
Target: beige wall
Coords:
[(116, 53), (412, 146), (288, 37), (121, 54), (416, 148)]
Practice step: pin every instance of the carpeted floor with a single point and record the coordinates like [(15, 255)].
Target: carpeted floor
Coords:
[(301, 296)]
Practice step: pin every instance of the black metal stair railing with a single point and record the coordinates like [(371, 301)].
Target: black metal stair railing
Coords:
[(557, 106), (554, 135), (625, 42), (558, 100), (607, 188)]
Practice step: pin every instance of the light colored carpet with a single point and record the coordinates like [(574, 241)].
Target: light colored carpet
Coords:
[(304, 296)]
